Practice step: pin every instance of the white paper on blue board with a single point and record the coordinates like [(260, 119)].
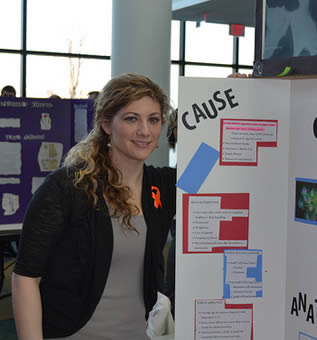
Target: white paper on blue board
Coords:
[(81, 126), (36, 182), (9, 180), (10, 204), (242, 273), (10, 158), (10, 123)]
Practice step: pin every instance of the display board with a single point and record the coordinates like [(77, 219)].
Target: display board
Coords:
[(35, 134), (233, 201), (285, 34), (301, 288)]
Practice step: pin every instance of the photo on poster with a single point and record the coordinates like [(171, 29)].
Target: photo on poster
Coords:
[(242, 273), (214, 319), (46, 121), (50, 156), (214, 222), (303, 336), (240, 140), (306, 201)]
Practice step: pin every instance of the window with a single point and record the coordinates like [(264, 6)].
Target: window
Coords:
[(58, 30), (51, 75), (10, 71), (246, 47), (72, 26), (175, 29), (208, 43), (10, 24), (174, 85), (207, 71)]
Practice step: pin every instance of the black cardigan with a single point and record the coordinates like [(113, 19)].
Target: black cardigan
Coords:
[(69, 244)]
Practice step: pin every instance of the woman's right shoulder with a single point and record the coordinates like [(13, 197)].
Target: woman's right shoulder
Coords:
[(62, 177)]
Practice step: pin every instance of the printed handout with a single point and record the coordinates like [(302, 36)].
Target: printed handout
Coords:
[(240, 140), (213, 222), (10, 158), (243, 273), (214, 319)]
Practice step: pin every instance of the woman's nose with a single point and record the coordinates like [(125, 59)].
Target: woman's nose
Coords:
[(143, 128)]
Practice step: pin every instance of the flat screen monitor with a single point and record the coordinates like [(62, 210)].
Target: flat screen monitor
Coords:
[(286, 37)]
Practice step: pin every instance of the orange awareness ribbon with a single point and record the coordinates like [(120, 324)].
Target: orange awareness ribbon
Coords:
[(156, 194)]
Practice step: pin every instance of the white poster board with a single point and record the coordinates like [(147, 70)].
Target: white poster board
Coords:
[(301, 287), (234, 154)]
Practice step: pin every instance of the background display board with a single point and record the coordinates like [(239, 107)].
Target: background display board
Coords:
[(35, 135), (237, 188), (285, 32)]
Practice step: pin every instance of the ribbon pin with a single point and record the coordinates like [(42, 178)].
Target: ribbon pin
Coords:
[(156, 194)]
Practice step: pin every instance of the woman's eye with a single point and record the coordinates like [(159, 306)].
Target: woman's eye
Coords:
[(130, 119), (155, 120)]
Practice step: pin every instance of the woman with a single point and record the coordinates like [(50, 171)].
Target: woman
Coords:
[(88, 265)]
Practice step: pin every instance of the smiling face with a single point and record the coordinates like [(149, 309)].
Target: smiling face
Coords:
[(134, 130)]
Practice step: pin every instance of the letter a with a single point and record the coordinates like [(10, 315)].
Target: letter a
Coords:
[(294, 306)]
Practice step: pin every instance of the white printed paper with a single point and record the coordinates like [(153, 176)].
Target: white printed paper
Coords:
[(9, 180), (81, 127), (10, 204), (205, 215), (216, 321), (243, 273), (10, 123), (36, 183), (10, 158), (241, 138)]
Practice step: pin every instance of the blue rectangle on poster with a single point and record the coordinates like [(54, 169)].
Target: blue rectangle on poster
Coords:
[(198, 169)]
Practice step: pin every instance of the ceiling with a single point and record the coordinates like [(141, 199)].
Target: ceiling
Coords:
[(216, 11)]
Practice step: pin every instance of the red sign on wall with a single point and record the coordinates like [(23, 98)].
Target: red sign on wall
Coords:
[(236, 30)]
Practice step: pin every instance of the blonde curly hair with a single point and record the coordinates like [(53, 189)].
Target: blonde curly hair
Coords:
[(172, 125), (90, 158)]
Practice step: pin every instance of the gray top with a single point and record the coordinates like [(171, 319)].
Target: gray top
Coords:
[(120, 313)]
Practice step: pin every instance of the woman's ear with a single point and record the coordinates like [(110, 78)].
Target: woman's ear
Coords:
[(106, 126)]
